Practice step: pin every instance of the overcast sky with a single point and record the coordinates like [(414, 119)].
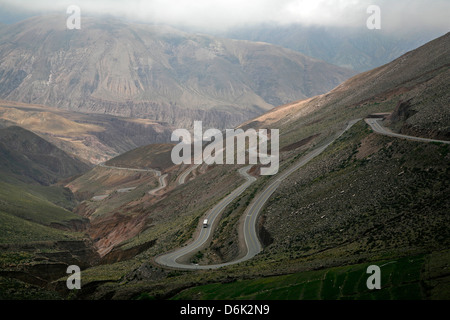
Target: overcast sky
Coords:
[(219, 15)]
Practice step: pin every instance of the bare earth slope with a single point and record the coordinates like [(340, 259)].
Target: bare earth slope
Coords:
[(419, 78), (94, 138), (366, 198), (154, 72)]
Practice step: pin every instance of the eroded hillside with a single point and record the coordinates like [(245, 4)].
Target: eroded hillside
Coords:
[(153, 72)]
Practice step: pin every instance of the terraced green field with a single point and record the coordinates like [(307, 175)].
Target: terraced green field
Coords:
[(400, 279)]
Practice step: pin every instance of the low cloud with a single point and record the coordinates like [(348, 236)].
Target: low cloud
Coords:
[(220, 15)]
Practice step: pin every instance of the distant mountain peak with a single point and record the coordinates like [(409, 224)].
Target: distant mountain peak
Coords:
[(154, 72)]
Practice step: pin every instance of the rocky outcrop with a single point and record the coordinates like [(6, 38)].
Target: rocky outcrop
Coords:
[(118, 254), (50, 261)]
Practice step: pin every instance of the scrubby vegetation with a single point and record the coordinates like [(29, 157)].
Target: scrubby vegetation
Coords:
[(365, 196)]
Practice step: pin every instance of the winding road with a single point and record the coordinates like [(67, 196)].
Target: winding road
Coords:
[(182, 177), (251, 214), (162, 181), (170, 259), (129, 169), (377, 127)]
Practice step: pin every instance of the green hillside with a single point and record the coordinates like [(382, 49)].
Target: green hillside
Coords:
[(33, 204), (15, 230), (32, 159), (404, 278)]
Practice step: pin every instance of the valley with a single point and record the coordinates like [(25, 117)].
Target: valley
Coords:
[(87, 176)]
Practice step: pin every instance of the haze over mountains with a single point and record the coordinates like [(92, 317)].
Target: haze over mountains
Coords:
[(367, 198), (416, 85), (359, 49), (153, 72)]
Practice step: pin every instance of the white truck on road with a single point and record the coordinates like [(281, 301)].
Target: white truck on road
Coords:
[(205, 223)]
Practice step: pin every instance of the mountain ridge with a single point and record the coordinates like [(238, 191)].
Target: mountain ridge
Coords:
[(366, 198), (93, 138), (419, 76), (25, 154), (160, 73), (358, 49)]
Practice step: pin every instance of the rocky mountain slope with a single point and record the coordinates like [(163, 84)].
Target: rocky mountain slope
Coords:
[(419, 78), (360, 49), (32, 158), (366, 198), (39, 234), (93, 138), (156, 156), (155, 72)]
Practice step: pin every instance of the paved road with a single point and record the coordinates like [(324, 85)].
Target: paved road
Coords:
[(162, 181), (219, 149), (250, 234), (182, 177), (170, 259), (129, 169), (249, 230), (100, 197), (162, 184), (377, 127)]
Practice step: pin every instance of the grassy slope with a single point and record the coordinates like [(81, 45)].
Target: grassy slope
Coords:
[(34, 215), (404, 278), (34, 203), (27, 211), (15, 230), (375, 223), (32, 159), (156, 156), (382, 230), (392, 217), (366, 196)]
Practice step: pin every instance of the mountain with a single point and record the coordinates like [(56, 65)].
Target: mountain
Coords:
[(29, 157), (37, 225), (360, 49), (153, 72), (93, 138), (418, 79), (156, 156), (366, 199), (30, 168)]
